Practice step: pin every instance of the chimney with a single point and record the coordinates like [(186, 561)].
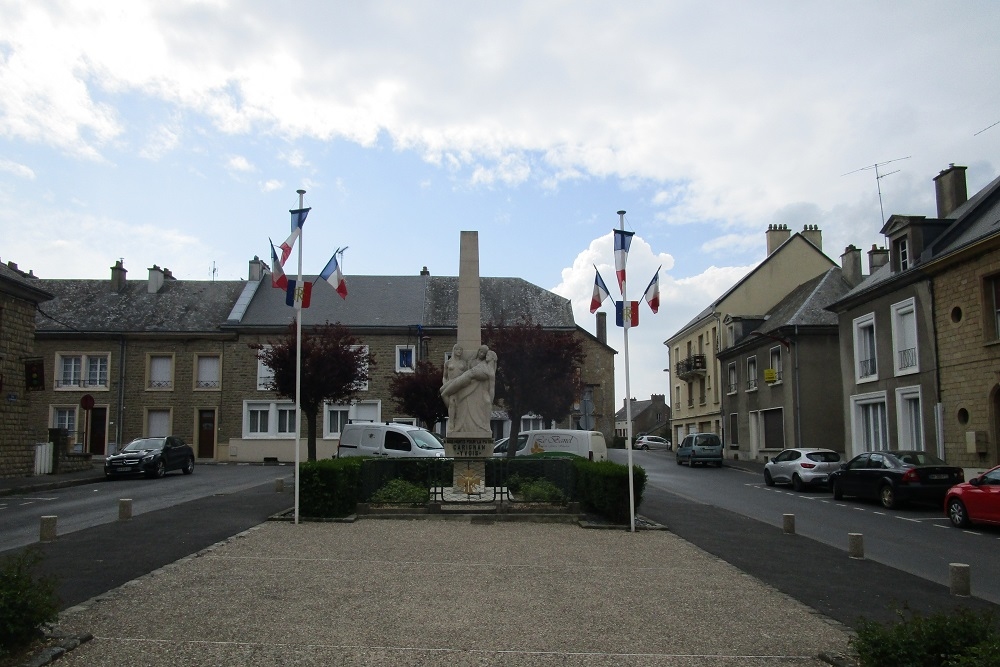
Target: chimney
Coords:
[(813, 234), (425, 272), (950, 188), (877, 258), (776, 235), (155, 279), (168, 274), (602, 327), (256, 270), (850, 264), (118, 276)]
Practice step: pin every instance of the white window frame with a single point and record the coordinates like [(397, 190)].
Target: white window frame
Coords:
[(752, 373), (412, 421), (400, 349), (71, 412), (264, 374), (207, 384), (734, 379), (859, 403), (861, 324), (80, 376), (905, 396), (899, 311), (166, 384), (355, 412), (775, 353), (275, 412)]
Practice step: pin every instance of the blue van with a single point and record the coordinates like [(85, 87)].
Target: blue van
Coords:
[(701, 448)]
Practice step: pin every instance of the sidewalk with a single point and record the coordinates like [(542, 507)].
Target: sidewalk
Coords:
[(33, 483), (456, 592)]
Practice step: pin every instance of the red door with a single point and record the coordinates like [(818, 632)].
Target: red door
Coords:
[(206, 434)]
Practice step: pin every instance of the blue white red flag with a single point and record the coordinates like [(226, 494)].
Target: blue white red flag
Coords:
[(652, 295), (298, 296), (298, 219), (623, 240), (600, 292), (278, 278), (331, 274), (627, 313)]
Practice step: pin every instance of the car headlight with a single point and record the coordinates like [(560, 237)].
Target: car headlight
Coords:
[(147, 457)]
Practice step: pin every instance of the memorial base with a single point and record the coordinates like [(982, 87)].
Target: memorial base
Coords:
[(470, 465)]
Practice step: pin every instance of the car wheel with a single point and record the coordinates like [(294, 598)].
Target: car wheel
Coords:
[(797, 483), (677, 460), (838, 491), (957, 513), (161, 469), (188, 467), (768, 479), (887, 496)]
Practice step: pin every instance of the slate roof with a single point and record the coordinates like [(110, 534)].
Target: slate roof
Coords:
[(637, 408), (24, 286), (806, 305)]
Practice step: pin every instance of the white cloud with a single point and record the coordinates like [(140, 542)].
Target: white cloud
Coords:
[(271, 185), (240, 163), (20, 170)]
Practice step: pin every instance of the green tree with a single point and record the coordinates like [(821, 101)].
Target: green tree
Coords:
[(335, 367), (418, 393), (538, 371)]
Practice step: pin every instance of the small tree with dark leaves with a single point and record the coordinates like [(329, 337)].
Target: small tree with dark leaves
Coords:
[(335, 367), (419, 393), (537, 372)]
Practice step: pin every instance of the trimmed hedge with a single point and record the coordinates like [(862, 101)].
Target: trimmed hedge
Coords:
[(329, 488), (602, 488), (959, 638)]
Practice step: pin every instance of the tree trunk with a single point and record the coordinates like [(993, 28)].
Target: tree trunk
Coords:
[(310, 434)]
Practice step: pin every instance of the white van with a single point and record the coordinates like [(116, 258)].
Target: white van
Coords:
[(391, 439), (588, 444)]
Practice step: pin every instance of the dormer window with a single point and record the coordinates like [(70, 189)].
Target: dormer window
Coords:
[(902, 254)]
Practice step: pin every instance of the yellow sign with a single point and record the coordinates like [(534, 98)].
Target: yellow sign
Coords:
[(770, 375)]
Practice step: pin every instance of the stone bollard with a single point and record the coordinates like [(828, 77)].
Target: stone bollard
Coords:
[(124, 509), (961, 579), (856, 545), (47, 529), (279, 485), (789, 524)]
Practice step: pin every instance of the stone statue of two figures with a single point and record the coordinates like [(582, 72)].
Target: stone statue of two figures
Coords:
[(468, 389)]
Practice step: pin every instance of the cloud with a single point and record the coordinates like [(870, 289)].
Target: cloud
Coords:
[(20, 170), (271, 185), (240, 163)]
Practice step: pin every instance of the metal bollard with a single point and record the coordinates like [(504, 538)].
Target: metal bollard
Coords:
[(124, 509), (961, 579), (279, 485), (856, 545), (789, 524), (47, 529)]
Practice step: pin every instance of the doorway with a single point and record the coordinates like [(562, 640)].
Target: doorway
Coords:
[(206, 434), (97, 437)]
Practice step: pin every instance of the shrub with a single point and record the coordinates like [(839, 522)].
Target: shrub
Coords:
[(602, 488), (958, 638), (329, 488), (26, 602), (401, 492), (540, 491)]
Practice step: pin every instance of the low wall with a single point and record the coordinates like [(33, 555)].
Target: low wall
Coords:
[(248, 450)]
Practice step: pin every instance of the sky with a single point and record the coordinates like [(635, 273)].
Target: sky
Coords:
[(177, 134)]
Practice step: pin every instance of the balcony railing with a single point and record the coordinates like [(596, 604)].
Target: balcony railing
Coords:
[(752, 385), (866, 367), (207, 384), (907, 358), (694, 365)]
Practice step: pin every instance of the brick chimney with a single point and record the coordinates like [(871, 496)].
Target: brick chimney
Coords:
[(877, 258), (850, 264), (776, 235), (118, 276), (813, 234), (951, 190), (155, 279), (602, 327), (256, 270)]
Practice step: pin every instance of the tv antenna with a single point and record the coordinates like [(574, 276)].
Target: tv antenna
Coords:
[(879, 177), (214, 271), (986, 128)]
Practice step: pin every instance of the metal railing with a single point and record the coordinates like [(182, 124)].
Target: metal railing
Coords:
[(867, 367), (907, 358)]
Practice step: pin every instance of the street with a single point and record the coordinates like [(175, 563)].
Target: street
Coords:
[(915, 539)]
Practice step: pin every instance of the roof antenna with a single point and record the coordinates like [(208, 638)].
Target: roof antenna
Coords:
[(986, 128), (214, 270), (879, 177)]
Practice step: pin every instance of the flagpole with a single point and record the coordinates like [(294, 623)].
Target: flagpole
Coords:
[(298, 369), (628, 395)]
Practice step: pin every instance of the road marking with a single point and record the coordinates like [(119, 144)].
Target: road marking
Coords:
[(879, 513), (906, 518), (971, 532), (39, 498)]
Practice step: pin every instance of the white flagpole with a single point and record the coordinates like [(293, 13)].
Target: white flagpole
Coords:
[(628, 390), (298, 368)]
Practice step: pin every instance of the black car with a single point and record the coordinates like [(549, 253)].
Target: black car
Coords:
[(895, 477), (153, 457)]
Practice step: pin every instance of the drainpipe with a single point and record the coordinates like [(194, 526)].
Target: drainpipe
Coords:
[(121, 391), (798, 396)]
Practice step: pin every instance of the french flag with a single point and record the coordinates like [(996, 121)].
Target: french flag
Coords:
[(623, 240), (600, 292), (298, 219), (331, 274), (652, 295), (627, 313), (278, 278)]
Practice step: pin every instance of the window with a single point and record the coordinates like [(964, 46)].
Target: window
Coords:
[(910, 426), (902, 254), (336, 416), (75, 371), (531, 423), (904, 337), (751, 373), (405, 358), (64, 418), (733, 383), (991, 289), (776, 363), (864, 348), (734, 429), (160, 372), (207, 372), (701, 391), (157, 423), (264, 374), (690, 388), (268, 419), (868, 421), (364, 367)]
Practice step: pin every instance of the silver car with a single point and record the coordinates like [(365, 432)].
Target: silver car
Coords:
[(802, 467)]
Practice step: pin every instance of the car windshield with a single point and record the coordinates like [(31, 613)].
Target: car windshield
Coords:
[(824, 457), (425, 440), (145, 443), (918, 459)]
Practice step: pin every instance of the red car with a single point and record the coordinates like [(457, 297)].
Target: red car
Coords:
[(975, 501)]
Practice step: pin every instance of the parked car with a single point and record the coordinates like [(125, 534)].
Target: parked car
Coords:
[(975, 501), (895, 477), (700, 448), (153, 457), (802, 467), (389, 440), (646, 441)]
